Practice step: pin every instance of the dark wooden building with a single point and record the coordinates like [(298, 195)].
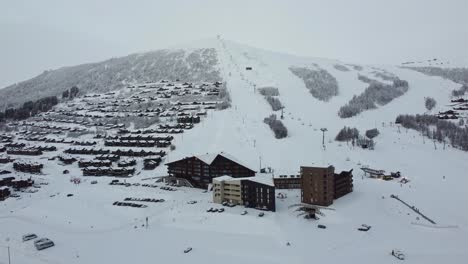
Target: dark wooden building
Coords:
[(287, 181), (4, 193), (258, 195), (320, 186), (200, 170), (343, 183), (317, 185)]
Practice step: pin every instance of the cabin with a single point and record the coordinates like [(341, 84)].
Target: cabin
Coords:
[(200, 170), (126, 163), (4, 193), (28, 167), (151, 163), (5, 159), (26, 152), (113, 172)]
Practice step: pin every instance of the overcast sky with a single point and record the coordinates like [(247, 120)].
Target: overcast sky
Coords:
[(47, 34)]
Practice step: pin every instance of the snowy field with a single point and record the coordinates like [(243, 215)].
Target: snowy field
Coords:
[(87, 228)]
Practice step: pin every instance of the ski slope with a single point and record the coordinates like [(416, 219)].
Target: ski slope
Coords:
[(88, 229)]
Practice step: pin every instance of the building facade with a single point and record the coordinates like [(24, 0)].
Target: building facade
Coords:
[(200, 170), (320, 186), (287, 181), (250, 192), (317, 185), (343, 183)]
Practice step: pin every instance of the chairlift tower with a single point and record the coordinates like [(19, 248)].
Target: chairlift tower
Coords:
[(323, 135)]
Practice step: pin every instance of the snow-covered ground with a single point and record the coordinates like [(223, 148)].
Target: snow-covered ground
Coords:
[(87, 228)]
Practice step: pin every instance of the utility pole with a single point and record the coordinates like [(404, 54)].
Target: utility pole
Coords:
[(323, 135), (260, 163)]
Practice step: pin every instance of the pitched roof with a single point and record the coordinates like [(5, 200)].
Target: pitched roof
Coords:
[(208, 158)]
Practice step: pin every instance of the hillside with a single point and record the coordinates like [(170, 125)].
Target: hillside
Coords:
[(86, 226), (112, 74)]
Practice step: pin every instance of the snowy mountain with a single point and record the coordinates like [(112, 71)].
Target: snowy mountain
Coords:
[(312, 91), (112, 74)]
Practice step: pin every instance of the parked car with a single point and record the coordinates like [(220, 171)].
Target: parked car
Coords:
[(244, 213), (93, 182), (261, 214), (220, 210), (364, 228), (28, 237), (398, 254), (69, 195), (321, 226), (192, 202), (43, 243), (187, 250), (210, 210)]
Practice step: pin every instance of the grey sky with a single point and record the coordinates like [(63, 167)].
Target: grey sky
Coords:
[(47, 34)]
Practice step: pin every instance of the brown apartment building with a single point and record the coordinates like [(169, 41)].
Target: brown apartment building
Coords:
[(320, 185)]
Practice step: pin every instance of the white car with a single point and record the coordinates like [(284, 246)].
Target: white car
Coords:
[(28, 237), (43, 243)]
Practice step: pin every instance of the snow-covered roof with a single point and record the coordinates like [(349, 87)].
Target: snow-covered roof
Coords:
[(263, 179)]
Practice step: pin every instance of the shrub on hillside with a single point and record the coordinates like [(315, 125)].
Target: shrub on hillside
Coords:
[(430, 103), (375, 94), (461, 91), (268, 91), (372, 133), (341, 67), (276, 126), (321, 84), (274, 102)]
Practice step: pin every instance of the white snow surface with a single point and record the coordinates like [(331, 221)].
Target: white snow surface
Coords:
[(87, 228)]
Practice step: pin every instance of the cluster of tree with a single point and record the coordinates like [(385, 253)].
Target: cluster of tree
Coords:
[(70, 94), (365, 79), (458, 75), (29, 109), (356, 67), (347, 134), (375, 94), (274, 102), (321, 84), (341, 67), (268, 91), (276, 126), (386, 76), (461, 91), (436, 129), (372, 133), (430, 103)]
